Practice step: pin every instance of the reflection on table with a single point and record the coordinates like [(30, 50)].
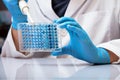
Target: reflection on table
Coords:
[(55, 69)]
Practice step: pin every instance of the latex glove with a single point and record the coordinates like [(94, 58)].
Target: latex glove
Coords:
[(17, 16), (80, 45)]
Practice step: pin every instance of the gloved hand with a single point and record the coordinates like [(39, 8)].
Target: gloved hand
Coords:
[(80, 45), (17, 16)]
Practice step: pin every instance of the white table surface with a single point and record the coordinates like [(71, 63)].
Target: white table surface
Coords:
[(55, 69)]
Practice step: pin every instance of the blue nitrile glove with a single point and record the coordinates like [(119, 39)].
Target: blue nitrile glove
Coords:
[(17, 16), (80, 45)]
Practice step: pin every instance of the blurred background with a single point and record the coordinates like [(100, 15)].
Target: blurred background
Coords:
[(5, 21)]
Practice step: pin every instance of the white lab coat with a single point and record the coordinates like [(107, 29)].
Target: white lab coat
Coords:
[(99, 18)]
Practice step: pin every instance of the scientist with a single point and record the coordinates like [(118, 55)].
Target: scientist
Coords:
[(93, 28)]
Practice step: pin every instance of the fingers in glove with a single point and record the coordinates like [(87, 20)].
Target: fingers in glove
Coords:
[(64, 19), (65, 24), (65, 50)]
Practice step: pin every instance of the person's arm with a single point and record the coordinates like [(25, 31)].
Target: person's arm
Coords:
[(17, 17), (113, 56), (15, 38)]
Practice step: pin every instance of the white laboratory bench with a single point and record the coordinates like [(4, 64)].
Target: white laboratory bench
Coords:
[(55, 69)]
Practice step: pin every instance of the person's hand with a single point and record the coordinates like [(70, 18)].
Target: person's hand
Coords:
[(17, 16), (80, 45)]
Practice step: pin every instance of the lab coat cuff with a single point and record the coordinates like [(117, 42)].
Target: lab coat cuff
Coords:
[(112, 48)]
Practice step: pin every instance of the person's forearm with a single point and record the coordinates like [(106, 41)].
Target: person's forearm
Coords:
[(15, 39), (113, 56)]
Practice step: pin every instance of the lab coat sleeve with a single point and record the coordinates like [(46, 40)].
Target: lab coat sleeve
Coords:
[(113, 46), (9, 49)]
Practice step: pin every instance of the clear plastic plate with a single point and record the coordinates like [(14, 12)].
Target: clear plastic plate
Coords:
[(39, 37)]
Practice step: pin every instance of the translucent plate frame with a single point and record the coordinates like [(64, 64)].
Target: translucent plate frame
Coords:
[(39, 37)]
